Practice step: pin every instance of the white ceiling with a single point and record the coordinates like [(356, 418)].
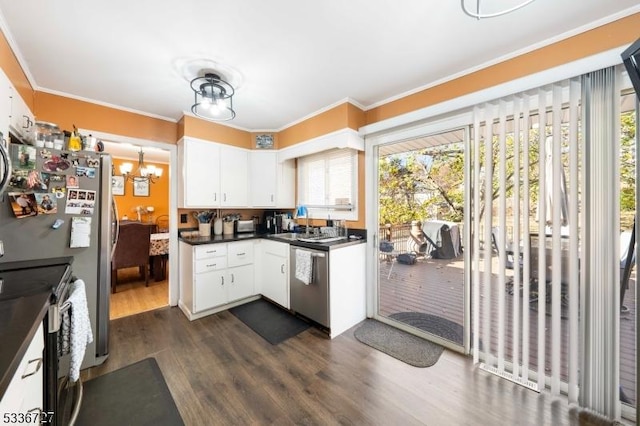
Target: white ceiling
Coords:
[(294, 57)]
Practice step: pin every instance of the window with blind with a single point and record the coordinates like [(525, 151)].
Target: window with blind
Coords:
[(328, 182)]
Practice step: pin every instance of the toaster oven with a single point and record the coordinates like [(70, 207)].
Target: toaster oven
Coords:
[(244, 226)]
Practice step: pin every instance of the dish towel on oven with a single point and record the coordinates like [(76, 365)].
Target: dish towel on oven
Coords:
[(304, 266), (80, 334)]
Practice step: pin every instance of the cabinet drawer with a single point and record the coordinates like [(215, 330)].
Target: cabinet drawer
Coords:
[(210, 250), (240, 253), (27, 381), (275, 247), (210, 264)]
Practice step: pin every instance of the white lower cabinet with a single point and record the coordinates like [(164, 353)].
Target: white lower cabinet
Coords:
[(209, 290), (24, 395), (214, 275), (274, 271), (240, 283)]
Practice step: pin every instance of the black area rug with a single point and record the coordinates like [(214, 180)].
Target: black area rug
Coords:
[(432, 324), (134, 395), (399, 344), (272, 323)]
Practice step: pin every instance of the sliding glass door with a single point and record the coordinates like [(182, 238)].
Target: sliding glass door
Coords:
[(420, 262)]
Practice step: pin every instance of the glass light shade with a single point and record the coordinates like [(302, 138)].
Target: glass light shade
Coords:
[(213, 98), (150, 172), (126, 168)]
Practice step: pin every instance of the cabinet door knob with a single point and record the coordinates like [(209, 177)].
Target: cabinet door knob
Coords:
[(282, 268), (233, 279), (225, 197), (222, 279), (241, 254)]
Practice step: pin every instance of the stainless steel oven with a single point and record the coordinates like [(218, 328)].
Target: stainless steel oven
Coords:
[(311, 300)]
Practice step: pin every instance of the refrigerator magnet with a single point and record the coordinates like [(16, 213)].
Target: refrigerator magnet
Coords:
[(72, 181)]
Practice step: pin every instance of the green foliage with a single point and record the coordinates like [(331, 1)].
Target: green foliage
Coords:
[(627, 162), (429, 183)]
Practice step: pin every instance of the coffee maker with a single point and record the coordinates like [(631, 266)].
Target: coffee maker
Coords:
[(271, 222)]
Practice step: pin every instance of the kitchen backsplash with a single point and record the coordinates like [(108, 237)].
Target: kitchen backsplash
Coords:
[(245, 214)]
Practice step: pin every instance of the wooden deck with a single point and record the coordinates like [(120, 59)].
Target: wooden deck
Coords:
[(436, 287)]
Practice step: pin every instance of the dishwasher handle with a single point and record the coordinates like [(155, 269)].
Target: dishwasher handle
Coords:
[(314, 253)]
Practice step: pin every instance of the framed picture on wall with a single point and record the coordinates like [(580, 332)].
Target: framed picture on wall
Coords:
[(141, 187), (264, 141), (117, 185)]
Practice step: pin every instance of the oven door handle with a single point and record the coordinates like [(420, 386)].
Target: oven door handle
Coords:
[(55, 316)]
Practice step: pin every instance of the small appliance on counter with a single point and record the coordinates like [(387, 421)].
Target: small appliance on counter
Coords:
[(244, 226)]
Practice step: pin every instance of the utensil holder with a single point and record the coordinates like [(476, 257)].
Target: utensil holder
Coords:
[(227, 228), (204, 229)]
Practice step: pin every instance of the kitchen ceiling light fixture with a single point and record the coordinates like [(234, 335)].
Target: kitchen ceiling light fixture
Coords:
[(479, 15), (213, 98), (144, 171)]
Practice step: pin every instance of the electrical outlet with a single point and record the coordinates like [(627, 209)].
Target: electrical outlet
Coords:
[(183, 218)]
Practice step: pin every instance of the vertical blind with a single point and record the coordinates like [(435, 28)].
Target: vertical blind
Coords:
[(600, 358), (525, 226)]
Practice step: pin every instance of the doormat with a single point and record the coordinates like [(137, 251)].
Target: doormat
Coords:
[(133, 395), (432, 324), (272, 323), (401, 345)]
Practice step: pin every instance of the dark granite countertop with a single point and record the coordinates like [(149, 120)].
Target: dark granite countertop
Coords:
[(285, 238)]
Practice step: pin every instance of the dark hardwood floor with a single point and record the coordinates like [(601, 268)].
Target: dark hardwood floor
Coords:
[(220, 372)]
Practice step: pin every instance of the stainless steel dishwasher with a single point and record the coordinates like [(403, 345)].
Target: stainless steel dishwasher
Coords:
[(312, 300)]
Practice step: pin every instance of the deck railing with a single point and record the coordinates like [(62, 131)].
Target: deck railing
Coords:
[(396, 234)]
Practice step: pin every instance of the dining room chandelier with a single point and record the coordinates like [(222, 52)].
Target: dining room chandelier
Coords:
[(213, 97), (144, 171), (479, 15)]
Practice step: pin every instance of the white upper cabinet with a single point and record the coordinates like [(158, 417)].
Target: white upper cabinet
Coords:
[(218, 175), (286, 184), (272, 184), (21, 121), (213, 175), (262, 169), (199, 184), (234, 178), (5, 104)]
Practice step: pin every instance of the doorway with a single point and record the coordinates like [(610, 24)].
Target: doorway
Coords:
[(154, 206), (420, 269)]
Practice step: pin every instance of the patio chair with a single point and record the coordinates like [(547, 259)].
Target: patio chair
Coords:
[(495, 237), (387, 248), (418, 242)]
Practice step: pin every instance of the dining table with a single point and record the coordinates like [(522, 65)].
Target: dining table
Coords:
[(159, 254)]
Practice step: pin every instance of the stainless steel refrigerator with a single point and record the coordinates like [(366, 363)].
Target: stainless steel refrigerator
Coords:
[(49, 193)]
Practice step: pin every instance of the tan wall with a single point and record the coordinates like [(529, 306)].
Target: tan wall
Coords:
[(66, 112), (329, 121), (610, 36), (158, 193), (13, 70), (215, 132)]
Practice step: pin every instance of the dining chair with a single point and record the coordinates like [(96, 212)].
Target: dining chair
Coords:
[(162, 223), (132, 249)]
